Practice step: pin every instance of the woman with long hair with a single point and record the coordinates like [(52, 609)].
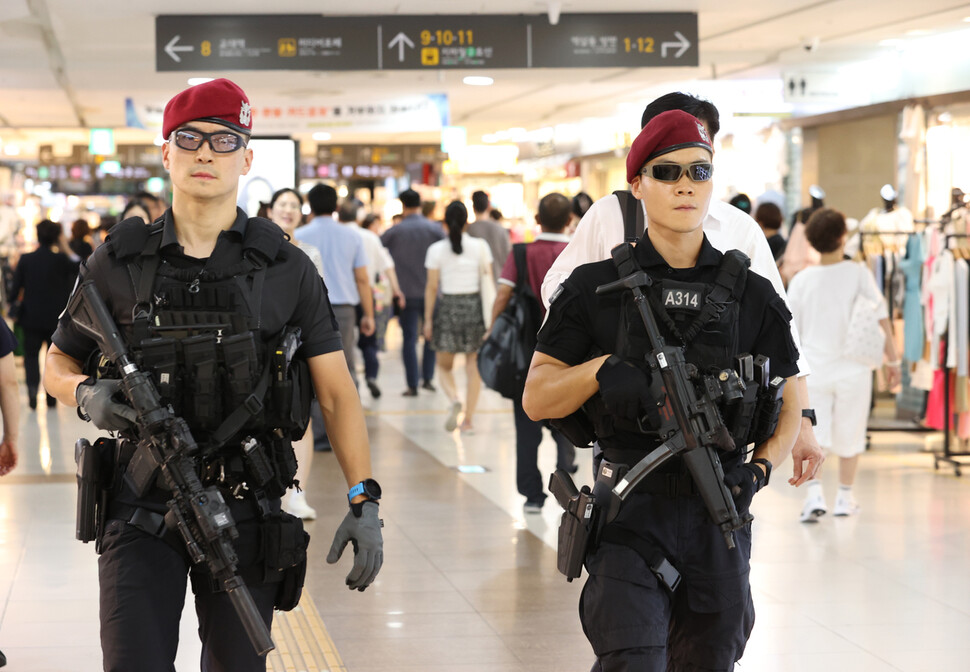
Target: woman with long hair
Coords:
[(286, 211), (459, 266)]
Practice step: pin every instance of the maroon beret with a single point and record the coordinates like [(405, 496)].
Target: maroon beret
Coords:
[(219, 101), (665, 133)]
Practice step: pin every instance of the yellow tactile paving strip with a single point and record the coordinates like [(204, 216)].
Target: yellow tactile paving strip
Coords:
[(302, 642)]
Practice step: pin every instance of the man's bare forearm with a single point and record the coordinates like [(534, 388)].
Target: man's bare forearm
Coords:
[(62, 375)]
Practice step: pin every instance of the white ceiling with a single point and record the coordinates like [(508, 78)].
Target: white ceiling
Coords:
[(67, 64)]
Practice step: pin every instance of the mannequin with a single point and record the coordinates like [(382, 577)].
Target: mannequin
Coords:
[(890, 218), (888, 197), (955, 219)]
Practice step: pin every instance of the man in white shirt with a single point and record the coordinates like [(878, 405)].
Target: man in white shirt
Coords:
[(726, 227)]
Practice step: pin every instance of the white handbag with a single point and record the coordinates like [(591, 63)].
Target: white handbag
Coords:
[(864, 338)]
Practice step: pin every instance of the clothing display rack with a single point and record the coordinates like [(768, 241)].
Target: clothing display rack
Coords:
[(948, 455), (889, 425)]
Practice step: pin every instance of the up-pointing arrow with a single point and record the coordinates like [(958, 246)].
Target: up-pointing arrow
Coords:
[(682, 42), (400, 41), (172, 50)]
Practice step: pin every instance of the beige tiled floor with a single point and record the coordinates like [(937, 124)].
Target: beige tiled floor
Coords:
[(469, 582)]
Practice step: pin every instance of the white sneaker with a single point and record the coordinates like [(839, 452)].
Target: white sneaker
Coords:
[(296, 505), (452, 421), (814, 506), (845, 505)]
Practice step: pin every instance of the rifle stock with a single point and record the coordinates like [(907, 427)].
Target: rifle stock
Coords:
[(198, 513)]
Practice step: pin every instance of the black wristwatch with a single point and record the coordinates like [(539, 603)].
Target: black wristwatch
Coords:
[(810, 414), (767, 467), (369, 488)]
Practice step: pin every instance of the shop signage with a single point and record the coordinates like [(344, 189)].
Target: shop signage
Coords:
[(396, 155), (432, 42), (425, 113), (418, 113)]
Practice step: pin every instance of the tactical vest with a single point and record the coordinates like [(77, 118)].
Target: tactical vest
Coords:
[(198, 333), (703, 318)]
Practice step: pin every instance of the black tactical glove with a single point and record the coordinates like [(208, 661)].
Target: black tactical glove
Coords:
[(363, 529), (744, 481), (95, 403), (626, 390)]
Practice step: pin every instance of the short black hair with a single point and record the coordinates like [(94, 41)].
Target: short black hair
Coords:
[(322, 199), (135, 203), (410, 198), (700, 108), (348, 210), (769, 216), (48, 232), (581, 203), (147, 196), (480, 202), (825, 229), (554, 211), (742, 202)]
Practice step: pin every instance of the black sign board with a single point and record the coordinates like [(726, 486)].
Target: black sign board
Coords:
[(616, 41), (432, 42)]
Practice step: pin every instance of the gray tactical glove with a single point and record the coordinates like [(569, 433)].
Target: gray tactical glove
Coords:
[(364, 531), (94, 400)]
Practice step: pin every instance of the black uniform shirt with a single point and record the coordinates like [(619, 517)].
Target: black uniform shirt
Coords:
[(293, 291), (582, 325)]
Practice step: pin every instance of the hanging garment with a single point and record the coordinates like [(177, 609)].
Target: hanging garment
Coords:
[(911, 267)]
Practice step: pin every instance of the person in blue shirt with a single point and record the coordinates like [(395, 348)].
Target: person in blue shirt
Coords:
[(344, 267)]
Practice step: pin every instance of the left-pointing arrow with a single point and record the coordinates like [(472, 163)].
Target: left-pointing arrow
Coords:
[(173, 50), (682, 42)]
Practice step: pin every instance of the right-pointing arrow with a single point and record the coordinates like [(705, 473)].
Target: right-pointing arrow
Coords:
[(172, 50), (682, 42), (400, 41)]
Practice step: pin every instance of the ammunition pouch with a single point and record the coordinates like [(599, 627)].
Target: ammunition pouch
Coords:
[(285, 557)]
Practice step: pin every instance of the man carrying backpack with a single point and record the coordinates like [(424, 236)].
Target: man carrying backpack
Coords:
[(553, 217)]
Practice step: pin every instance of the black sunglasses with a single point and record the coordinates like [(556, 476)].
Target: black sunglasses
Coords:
[(221, 142), (672, 172)]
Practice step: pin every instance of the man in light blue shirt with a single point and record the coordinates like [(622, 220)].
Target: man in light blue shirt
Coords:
[(344, 266)]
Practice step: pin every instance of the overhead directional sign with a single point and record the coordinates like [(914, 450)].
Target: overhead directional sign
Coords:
[(615, 41), (479, 41)]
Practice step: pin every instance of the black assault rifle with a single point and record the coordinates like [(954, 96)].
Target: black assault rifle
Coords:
[(691, 424), (200, 514)]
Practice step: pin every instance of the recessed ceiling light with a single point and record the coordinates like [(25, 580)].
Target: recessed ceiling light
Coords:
[(321, 136), (478, 80), (194, 81)]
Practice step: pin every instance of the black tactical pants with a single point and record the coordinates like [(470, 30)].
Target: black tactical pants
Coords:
[(634, 624), (143, 582)]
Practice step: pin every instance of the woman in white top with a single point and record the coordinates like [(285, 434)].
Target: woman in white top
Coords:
[(821, 299), (459, 266), (286, 211)]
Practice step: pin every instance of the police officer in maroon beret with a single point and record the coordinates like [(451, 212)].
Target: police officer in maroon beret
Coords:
[(591, 354), (204, 297)]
